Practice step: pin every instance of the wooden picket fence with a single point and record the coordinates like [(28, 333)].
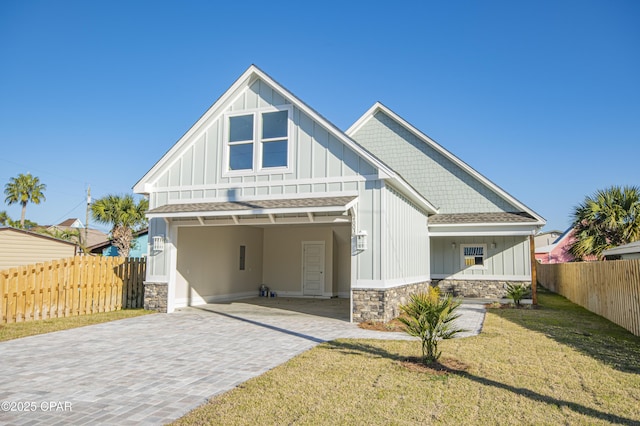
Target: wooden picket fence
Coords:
[(68, 287), (610, 289)]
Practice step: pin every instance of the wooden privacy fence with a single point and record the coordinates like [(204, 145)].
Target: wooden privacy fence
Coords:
[(610, 289), (75, 286)]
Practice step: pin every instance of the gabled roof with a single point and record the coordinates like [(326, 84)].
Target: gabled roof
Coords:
[(379, 107), (246, 79), (548, 249)]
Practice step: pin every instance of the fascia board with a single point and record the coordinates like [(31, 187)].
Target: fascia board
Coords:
[(326, 123), (413, 195), (142, 187), (501, 192), (475, 225), (218, 213)]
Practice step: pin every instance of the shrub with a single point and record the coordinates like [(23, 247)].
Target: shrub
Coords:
[(517, 292), (430, 318)]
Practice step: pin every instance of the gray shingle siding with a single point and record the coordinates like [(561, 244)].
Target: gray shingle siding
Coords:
[(437, 178)]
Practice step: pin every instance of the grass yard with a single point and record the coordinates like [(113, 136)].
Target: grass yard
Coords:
[(559, 364), (30, 328)]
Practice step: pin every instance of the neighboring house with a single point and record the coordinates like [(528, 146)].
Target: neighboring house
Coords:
[(139, 246), (558, 251), (264, 190), (624, 252), (546, 238), (94, 236), (19, 247)]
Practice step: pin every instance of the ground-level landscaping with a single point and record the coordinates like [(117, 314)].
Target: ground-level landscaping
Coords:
[(16, 330), (558, 364)]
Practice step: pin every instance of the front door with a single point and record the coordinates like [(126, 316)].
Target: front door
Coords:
[(312, 268)]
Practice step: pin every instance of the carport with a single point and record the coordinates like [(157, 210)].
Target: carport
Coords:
[(225, 251)]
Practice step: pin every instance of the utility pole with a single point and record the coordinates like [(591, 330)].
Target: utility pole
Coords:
[(86, 223)]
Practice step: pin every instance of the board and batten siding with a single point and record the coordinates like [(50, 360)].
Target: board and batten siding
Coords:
[(320, 162), (19, 248), (509, 260), (405, 251)]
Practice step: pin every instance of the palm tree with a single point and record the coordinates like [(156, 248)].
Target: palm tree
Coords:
[(124, 215), (4, 218), (22, 190), (608, 218)]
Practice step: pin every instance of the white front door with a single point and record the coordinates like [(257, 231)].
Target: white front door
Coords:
[(312, 268)]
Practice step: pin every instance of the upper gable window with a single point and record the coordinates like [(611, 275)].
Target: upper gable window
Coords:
[(258, 141)]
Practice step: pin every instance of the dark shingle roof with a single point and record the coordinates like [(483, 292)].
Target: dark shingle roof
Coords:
[(464, 218), (253, 205)]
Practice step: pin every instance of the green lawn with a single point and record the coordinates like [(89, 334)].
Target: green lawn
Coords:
[(558, 364), (30, 328)]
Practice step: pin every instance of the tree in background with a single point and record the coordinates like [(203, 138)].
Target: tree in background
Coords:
[(24, 189), (606, 219), (124, 215)]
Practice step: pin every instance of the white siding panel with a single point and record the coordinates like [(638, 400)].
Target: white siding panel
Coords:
[(406, 239), (509, 258), (320, 162), (199, 156)]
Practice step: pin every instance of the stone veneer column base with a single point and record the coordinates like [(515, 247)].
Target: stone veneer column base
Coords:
[(382, 305), (475, 288), (155, 296)]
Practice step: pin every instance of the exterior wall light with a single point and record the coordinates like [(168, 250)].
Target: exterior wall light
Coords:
[(493, 245), (361, 240), (453, 246), (158, 243)]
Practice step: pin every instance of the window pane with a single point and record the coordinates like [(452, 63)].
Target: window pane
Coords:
[(274, 154), (274, 125), (241, 128), (241, 156)]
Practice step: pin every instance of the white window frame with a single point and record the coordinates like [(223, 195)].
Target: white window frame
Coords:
[(463, 264), (257, 142)]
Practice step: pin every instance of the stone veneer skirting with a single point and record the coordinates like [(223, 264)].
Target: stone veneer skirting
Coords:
[(155, 296), (475, 288), (382, 305)]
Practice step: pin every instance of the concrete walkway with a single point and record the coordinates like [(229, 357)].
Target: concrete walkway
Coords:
[(156, 368)]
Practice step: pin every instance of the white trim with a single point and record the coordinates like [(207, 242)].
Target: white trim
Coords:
[(257, 142), (433, 144), (172, 264), (260, 184), (282, 210), (475, 225), (390, 283), (514, 233), (214, 111), (471, 277), (246, 79), (235, 220)]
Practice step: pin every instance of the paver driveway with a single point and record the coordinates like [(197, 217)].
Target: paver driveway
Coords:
[(153, 369)]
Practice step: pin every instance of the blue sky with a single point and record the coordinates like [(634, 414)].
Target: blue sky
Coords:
[(541, 97)]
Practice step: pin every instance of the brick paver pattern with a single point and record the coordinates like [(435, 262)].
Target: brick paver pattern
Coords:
[(154, 369)]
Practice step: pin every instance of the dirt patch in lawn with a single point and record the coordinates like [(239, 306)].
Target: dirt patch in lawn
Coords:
[(393, 325), (442, 367)]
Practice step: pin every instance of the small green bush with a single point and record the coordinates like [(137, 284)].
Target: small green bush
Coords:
[(430, 318), (517, 292)]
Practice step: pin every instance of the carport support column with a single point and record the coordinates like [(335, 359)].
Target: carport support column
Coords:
[(173, 265)]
